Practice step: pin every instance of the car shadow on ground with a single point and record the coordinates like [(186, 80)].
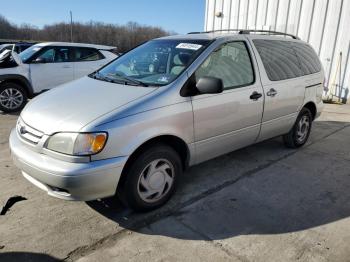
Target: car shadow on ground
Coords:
[(27, 257), (10, 114), (302, 190)]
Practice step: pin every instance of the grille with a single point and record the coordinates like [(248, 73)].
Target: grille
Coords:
[(28, 133)]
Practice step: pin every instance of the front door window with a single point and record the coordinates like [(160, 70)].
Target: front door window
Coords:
[(231, 63)]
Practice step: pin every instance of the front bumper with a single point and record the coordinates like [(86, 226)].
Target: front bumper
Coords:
[(66, 180)]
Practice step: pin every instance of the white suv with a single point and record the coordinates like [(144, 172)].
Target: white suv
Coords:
[(44, 66)]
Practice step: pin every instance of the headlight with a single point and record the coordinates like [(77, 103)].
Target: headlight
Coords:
[(78, 144)]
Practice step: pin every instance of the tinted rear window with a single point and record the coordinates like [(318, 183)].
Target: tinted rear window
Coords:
[(279, 59), (309, 61), (83, 54)]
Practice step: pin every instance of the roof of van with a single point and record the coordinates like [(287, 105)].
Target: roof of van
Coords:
[(216, 35), (100, 47)]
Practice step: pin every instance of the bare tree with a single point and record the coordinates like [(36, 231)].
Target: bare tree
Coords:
[(124, 37)]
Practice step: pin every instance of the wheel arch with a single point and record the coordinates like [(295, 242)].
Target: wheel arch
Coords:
[(20, 80), (178, 144), (312, 107)]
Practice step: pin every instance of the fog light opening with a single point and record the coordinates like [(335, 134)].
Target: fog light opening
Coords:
[(60, 191)]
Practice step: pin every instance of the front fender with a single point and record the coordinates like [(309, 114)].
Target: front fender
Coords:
[(128, 134)]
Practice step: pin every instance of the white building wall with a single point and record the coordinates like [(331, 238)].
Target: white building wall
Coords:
[(325, 24)]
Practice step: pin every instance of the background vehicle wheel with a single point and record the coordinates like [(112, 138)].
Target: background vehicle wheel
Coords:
[(13, 97), (300, 132), (151, 178)]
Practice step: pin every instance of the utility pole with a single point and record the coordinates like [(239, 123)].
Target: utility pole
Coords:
[(71, 26)]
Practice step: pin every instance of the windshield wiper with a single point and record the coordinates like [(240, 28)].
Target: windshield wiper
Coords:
[(98, 76), (118, 79), (131, 80)]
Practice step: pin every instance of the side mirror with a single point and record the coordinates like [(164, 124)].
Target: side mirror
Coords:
[(39, 60), (210, 85)]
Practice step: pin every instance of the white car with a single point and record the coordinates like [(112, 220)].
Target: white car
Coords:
[(44, 66)]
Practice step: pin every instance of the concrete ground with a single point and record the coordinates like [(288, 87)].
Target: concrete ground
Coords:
[(261, 203)]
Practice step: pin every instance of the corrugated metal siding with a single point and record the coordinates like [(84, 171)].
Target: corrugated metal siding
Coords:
[(325, 24)]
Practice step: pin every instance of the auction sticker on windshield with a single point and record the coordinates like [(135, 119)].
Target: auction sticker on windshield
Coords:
[(189, 46)]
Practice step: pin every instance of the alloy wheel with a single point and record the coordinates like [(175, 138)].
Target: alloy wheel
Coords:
[(11, 98)]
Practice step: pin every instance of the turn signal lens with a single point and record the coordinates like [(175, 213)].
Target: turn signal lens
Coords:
[(89, 144), (98, 143)]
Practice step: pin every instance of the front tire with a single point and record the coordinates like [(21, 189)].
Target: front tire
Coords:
[(13, 97), (300, 132), (151, 178)]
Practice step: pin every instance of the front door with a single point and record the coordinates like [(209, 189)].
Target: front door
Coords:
[(229, 120), (51, 68)]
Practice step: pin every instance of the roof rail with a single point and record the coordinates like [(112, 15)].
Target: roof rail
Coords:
[(247, 31)]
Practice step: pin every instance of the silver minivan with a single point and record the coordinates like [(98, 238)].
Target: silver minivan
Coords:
[(132, 127)]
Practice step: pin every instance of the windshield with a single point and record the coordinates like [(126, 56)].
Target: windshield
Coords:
[(155, 63), (29, 52)]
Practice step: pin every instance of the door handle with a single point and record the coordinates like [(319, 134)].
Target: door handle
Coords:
[(272, 92), (66, 66), (255, 96)]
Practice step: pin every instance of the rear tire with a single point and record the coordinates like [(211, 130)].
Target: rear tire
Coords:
[(13, 97), (300, 132), (151, 178)]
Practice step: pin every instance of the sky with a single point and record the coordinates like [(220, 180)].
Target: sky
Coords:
[(181, 16)]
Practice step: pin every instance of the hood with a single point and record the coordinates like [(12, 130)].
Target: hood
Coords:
[(3, 54), (9, 59), (73, 105)]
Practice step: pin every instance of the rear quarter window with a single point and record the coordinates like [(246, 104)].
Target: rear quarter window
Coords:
[(279, 59), (309, 62)]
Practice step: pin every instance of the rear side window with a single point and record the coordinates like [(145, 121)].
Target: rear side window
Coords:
[(279, 59), (309, 61), (231, 63), (87, 54)]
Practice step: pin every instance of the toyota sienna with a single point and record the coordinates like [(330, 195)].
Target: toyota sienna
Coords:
[(132, 127)]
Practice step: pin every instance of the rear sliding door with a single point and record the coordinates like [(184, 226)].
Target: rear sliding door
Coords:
[(284, 88)]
